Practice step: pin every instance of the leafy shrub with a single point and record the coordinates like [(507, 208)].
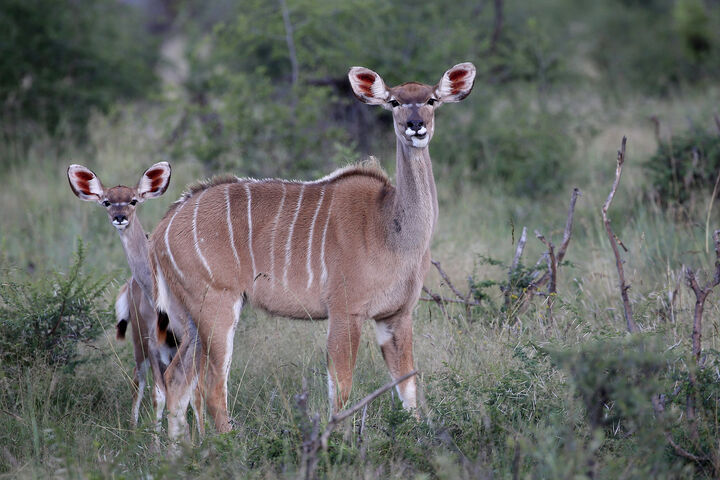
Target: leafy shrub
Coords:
[(654, 45), (48, 317), (685, 167), (61, 59), (615, 378)]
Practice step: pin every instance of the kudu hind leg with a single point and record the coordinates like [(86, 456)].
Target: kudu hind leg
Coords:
[(342, 347), (394, 335), (180, 380), (216, 327)]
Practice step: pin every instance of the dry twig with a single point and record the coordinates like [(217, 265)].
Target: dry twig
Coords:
[(313, 441), (614, 241), (441, 301)]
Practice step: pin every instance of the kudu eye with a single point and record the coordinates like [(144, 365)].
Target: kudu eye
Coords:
[(133, 202), (394, 103), (106, 203), (432, 101)]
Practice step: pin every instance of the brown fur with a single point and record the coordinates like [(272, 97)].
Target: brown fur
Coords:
[(349, 247)]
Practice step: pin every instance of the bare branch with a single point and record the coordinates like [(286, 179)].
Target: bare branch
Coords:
[(568, 225), (519, 250), (631, 326), (435, 298), (551, 261), (447, 280), (660, 410), (338, 418)]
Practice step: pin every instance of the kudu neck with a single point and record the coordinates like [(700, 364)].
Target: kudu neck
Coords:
[(135, 244), (415, 209)]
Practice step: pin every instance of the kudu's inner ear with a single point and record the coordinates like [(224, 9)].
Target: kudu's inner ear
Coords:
[(368, 86), (84, 183), (154, 181), (456, 83)]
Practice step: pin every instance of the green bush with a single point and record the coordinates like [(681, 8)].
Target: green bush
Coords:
[(654, 45), (61, 59), (48, 317), (685, 168)]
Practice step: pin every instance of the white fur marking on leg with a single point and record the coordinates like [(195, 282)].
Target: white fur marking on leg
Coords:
[(159, 405), (331, 391), (288, 251), (382, 333), (250, 246), (310, 238), (408, 397), (195, 235), (273, 233), (142, 377)]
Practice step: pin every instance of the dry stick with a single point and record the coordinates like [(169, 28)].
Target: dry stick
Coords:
[(631, 326), (567, 234), (441, 301), (312, 442), (447, 280), (701, 294), (659, 410), (710, 206), (519, 250), (552, 270), (515, 263)]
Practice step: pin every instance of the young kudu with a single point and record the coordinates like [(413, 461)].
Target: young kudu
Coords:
[(134, 302), (348, 247)]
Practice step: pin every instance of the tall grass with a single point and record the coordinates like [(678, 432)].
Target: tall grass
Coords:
[(495, 404)]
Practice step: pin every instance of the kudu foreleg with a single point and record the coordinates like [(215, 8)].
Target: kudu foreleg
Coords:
[(342, 347), (394, 335)]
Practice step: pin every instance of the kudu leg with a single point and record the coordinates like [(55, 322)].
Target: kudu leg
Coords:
[(138, 389), (342, 346), (181, 379), (216, 322), (394, 335)]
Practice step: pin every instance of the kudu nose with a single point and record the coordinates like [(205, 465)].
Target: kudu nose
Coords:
[(415, 124), (119, 219)]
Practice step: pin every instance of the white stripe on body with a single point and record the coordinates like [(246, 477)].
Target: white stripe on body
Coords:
[(272, 235), (250, 247), (324, 274), (230, 226), (167, 241), (310, 239), (195, 235), (288, 251)]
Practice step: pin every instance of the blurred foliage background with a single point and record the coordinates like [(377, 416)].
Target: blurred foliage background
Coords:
[(259, 88)]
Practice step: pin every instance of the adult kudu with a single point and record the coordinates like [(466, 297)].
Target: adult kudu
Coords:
[(347, 247)]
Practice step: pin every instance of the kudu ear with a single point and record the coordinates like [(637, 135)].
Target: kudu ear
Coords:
[(154, 181), (368, 86), (84, 183), (456, 83)]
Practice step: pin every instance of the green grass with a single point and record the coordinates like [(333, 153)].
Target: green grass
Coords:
[(495, 404)]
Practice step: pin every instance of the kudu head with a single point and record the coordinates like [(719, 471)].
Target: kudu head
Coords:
[(413, 104), (120, 202)]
